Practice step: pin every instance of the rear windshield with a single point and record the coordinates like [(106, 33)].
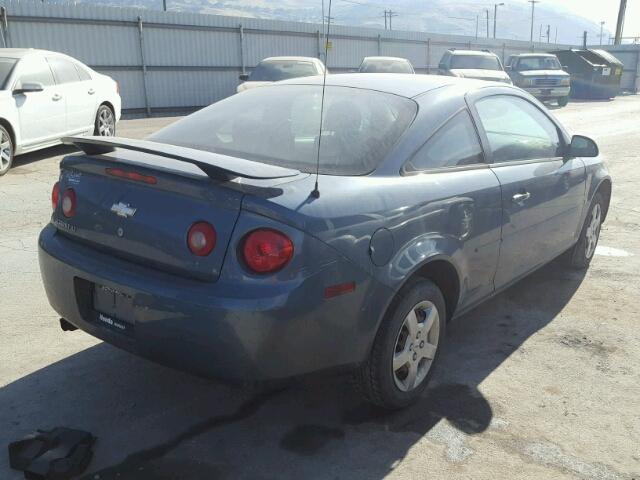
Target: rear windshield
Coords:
[(6, 65), (386, 66), (479, 62), (539, 63), (282, 70), (279, 125)]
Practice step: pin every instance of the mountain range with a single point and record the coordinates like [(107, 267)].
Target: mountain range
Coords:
[(551, 22)]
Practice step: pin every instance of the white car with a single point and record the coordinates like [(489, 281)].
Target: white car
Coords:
[(385, 65), (45, 96), (273, 69)]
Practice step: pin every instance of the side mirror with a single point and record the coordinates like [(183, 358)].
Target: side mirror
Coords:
[(583, 147), (507, 68), (28, 87), (244, 77), (565, 67)]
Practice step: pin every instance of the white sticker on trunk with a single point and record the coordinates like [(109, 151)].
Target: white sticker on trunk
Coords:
[(606, 71)]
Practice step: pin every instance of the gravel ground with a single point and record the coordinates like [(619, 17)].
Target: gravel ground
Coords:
[(542, 381)]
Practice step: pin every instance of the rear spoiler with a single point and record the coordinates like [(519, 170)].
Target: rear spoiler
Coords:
[(215, 165)]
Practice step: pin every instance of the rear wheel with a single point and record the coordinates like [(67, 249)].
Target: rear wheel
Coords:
[(105, 124), (406, 347), (562, 101), (584, 250), (6, 151)]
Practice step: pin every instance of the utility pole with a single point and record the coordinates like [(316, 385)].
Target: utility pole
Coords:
[(601, 34), (164, 5), (495, 15), (540, 35), (548, 33), (487, 12), (385, 19), (556, 37), (391, 15), (477, 23), (620, 23), (584, 40), (533, 7)]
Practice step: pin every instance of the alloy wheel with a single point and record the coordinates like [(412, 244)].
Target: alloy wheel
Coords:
[(6, 151), (416, 346), (106, 122), (593, 230)]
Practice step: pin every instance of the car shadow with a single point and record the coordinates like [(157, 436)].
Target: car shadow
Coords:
[(44, 154), (157, 423)]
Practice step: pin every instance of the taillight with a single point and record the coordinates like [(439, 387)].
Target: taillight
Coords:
[(69, 203), (266, 250), (201, 239), (55, 196), (135, 176)]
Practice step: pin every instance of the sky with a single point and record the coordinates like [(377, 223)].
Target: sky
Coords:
[(604, 10)]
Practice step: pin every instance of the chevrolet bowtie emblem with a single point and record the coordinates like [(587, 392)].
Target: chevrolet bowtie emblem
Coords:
[(123, 210)]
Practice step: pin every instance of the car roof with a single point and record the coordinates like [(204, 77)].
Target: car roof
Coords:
[(532, 55), (402, 84), (23, 52), (289, 59), (387, 59), (473, 52)]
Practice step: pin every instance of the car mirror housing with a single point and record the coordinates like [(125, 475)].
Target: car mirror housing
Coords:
[(244, 77), (28, 87), (582, 146)]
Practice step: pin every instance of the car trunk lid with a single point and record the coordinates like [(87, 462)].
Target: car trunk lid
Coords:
[(146, 218)]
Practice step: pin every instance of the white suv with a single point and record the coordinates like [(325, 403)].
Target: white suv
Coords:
[(45, 96)]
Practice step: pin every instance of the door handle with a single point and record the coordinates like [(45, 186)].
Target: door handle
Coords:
[(521, 197), (91, 91), (56, 97)]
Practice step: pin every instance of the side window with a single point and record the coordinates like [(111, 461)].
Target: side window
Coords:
[(82, 73), (64, 71), (517, 130), (455, 144), (34, 69)]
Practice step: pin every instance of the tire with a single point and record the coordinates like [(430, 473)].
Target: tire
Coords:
[(584, 249), (562, 101), (105, 123), (383, 379), (7, 151)]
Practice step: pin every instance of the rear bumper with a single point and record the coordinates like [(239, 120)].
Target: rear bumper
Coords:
[(548, 93), (221, 329)]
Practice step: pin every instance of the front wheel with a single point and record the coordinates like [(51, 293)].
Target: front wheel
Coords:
[(406, 347), (6, 151), (562, 101), (584, 250), (105, 124)]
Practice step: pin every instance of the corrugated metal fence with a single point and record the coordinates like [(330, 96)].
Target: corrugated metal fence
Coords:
[(171, 61)]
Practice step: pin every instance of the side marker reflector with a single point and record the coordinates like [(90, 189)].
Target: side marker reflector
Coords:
[(340, 289)]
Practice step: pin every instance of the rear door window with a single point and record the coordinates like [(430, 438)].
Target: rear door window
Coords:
[(64, 71), (455, 144), (82, 73), (517, 130)]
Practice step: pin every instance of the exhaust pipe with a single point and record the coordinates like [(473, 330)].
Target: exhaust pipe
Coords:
[(67, 326)]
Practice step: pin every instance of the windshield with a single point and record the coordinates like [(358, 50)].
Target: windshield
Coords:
[(386, 66), (6, 65), (282, 70), (480, 62), (279, 125), (539, 63)]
